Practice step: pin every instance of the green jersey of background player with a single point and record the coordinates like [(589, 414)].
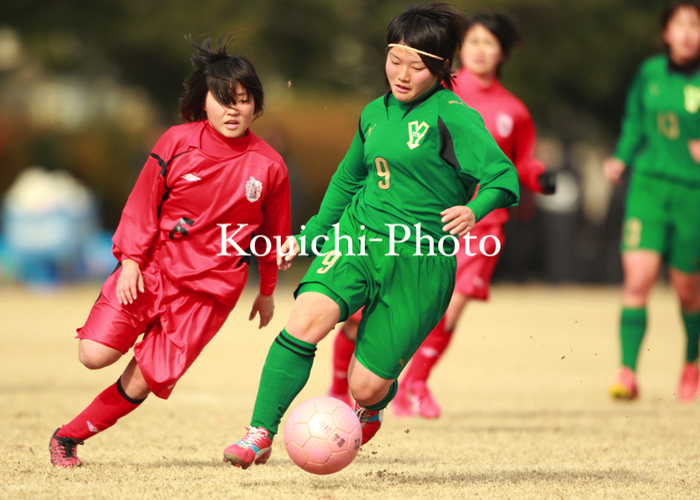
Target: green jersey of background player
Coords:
[(660, 140), (389, 220)]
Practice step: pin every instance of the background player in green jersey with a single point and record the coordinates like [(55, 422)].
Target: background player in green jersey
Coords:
[(391, 216), (661, 141)]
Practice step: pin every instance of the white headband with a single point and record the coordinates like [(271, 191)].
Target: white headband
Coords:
[(416, 50)]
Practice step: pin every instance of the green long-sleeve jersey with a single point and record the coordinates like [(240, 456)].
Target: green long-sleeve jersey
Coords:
[(410, 161), (661, 116)]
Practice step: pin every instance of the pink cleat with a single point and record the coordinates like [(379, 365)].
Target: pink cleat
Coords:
[(255, 447), (370, 421), (423, 399), (402, 405), (345, 398), (688, 385), (63, 451), (625, 385)]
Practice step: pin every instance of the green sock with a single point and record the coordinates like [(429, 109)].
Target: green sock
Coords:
[(633, 325), (692, 332), (284, 375), (387, 399)]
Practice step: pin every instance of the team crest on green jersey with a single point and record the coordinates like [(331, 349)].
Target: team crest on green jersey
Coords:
[(416, 133), (692, 98)]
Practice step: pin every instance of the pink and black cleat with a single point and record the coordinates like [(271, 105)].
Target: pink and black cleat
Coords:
[(63, 451)]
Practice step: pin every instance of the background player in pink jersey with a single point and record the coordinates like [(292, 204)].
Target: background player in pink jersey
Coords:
[(184, 243), (488, 43)]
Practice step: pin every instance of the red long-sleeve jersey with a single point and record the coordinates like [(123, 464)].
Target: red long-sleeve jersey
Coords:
[(510, 124), (197, 204)]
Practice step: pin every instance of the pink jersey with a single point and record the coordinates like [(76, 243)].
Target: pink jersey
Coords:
[(510, 124), (198, 202)]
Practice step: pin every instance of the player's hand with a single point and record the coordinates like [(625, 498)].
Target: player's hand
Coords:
[(548, 182), (613, 168), (265, 306), (694, 147), (285, 254), (460, 220), (130, 281)]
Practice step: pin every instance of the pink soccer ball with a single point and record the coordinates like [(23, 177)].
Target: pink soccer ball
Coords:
[(322, 435)]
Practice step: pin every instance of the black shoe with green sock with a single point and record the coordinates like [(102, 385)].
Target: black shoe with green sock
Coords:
[(284, 375), (633, 325)]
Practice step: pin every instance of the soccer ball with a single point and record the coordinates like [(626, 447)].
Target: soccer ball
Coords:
[(322, 435)]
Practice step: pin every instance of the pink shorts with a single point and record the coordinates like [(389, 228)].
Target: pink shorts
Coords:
[(474, 272), (177, 324)]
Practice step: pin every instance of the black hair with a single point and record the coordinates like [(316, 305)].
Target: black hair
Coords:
[(673, 5), (503, 26), (436, 28), (219, 73)]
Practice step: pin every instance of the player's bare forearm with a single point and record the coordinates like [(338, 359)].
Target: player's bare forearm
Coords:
[(264, 305), (130, 282), (460, 220)]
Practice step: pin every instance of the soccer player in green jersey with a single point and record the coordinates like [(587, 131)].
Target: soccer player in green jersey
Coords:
[(660, 141), (390, 222)]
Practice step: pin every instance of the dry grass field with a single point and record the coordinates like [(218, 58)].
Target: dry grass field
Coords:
[(523, 389)]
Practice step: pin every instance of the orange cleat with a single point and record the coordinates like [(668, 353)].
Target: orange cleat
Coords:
[(625, 385)]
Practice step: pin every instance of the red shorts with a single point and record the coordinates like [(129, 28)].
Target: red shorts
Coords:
[(178, 323), (474, 272), (357, 317)]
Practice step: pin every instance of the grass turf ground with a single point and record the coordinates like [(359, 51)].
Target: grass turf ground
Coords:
[(523, 390)]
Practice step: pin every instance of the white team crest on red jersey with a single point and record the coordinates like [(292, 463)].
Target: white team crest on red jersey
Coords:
[(253, 189), (504, 124)]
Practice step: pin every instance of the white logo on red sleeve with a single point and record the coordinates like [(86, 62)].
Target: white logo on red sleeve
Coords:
[(504, 124), (253, 189), (191, 178)]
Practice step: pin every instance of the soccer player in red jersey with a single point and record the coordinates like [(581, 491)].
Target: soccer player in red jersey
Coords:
[(487, 45), (210, 195)]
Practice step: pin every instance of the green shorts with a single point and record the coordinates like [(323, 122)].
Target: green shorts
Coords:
[(663, 216), (404, 296)]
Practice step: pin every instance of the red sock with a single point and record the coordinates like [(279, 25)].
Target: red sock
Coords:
[(101, 414), (343, 348), (428, 354)]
